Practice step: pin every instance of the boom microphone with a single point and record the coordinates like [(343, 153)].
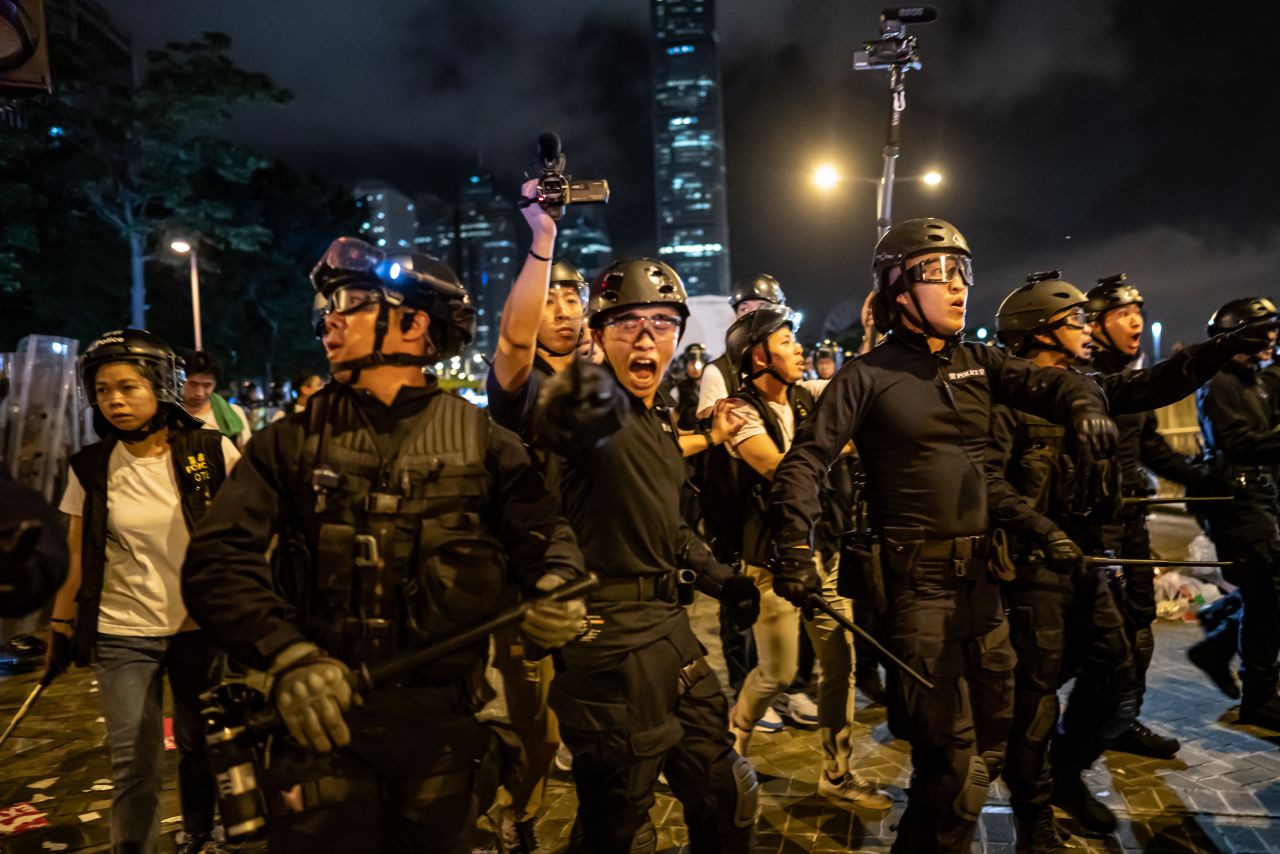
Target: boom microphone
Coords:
[(911, 15)]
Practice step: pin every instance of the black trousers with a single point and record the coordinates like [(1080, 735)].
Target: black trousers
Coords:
[(1256, 570), (951, 629), (1134, 589), (1063, 625), (628, 723), (417, 774)]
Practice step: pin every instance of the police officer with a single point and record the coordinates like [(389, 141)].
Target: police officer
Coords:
[(541, 328), (720, 379), (1116, 310), (1062, 616), (635, 695), (693, 363), (917, 407), (401, 514), (827, 358), (1242, 446)]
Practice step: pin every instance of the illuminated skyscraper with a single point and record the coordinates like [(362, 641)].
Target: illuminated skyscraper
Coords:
[(390, 220), (487, 255), (693, 227), (582, 238), (437, 227)]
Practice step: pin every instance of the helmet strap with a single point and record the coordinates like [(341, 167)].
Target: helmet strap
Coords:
[(925, 326), (376, 357)]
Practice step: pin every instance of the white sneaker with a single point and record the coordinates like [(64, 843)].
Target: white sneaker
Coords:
[(801, 709), (771, 722), (853, 789), (564, 758)]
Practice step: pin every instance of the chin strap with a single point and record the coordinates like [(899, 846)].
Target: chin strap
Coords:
[(925, 326), (376, 357), (544, 348)]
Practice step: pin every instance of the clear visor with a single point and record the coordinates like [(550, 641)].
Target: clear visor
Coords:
[(941, 269)]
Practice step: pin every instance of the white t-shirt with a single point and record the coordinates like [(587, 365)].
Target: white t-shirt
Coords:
[(711, 390), (208, 422), (753, 425), (146, 542)]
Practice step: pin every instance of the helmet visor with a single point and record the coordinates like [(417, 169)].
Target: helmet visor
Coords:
[(346, 257), (941, 269)]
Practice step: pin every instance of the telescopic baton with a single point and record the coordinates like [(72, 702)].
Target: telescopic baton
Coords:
[(821, 604), (45, 681), (1091, 560), (1200, 499)]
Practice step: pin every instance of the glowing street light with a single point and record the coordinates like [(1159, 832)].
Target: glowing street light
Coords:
[(187, 247), (826, 177), (1156, 328), (932, 178)]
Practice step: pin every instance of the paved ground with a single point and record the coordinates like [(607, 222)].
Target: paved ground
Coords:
[(1222, 793)]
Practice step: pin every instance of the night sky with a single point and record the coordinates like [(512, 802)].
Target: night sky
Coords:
[(1092, 136)]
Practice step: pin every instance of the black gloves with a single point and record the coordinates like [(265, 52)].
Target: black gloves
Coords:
[(1061, 553), (579, 409), (1248, 339), (1094, 430), (794, 577), (740, 599)]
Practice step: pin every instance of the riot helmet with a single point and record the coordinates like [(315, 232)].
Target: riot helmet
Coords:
[(900, 244), (635, 282), (760, 286), (1029, 311), (694, 354), (1110, 293), (755, 328), (1238, 312), (353, 273), (154, 359), (565, 275)]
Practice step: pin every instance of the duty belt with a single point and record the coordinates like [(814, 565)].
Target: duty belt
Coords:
[(956, 548), (640, 588)]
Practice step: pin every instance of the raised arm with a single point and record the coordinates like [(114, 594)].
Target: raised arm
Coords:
[(522, 312)]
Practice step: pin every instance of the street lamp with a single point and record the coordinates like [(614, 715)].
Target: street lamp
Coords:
[(1156, 328), (932, 178), (826, 177), (187, 247)]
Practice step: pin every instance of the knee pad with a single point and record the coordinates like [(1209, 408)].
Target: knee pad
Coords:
[(1044, 718), (973, 790), (1144, 644), (645, 840), (746, 789)]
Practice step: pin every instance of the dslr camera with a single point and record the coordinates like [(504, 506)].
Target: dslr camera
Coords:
[(556, 190)]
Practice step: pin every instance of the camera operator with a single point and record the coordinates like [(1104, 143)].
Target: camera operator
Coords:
[(720, 378), (918, 407), (636, 696), (539, 337), (771, 402), (403, 515)]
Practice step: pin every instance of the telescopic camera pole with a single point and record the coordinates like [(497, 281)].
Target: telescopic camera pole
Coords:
[(897, 53)]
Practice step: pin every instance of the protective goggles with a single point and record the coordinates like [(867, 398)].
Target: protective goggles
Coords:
[(661, 326), (1076, 319), (940, 270)]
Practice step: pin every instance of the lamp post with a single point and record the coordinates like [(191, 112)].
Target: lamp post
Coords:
[(187, 247)]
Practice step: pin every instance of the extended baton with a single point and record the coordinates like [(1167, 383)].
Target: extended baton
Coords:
[(45, 681), (1200, 499), (1090, 560), (821, 604)]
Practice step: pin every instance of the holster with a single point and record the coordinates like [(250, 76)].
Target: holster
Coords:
[(859, 576)]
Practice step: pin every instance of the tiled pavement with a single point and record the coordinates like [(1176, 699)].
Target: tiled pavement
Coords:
[(1222, 792)]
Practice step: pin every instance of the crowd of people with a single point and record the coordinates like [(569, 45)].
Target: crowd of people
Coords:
[(946, 497)]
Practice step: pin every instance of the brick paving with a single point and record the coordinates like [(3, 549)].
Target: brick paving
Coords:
[(1221, 793)]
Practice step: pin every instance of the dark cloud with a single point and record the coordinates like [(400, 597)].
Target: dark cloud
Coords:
[(1135, 128)]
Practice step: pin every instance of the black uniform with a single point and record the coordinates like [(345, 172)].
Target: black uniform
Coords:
[(635, 695), (397, 525), (920, 421), (1065, 623), (33, 549), (1236, 419), (1139, 447)]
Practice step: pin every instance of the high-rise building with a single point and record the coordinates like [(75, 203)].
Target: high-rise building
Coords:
[(390, 217), (582, 238), (437, 227), (688, 131), (487, 256)]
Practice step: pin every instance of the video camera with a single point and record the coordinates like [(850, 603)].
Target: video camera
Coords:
[(556, 190), (894, 48)]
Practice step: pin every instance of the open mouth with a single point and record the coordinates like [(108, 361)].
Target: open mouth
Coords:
[(643, 370)]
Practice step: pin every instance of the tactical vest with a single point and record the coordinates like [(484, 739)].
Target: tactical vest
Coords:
[(400, 541), (200, 469)]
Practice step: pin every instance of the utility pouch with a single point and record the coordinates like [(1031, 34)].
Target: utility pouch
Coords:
[(859, 574), (335, 555), (1000, 562), (900, 552)]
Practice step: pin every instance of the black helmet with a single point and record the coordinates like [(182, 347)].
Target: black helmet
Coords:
[(761, 286), (751, 329), (633, 282), (1028, 310), (565, 275), (1111, 292), (410, 280), (1238, 312), (900, 244), (828, 349), (155, 359), (694, 353)]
